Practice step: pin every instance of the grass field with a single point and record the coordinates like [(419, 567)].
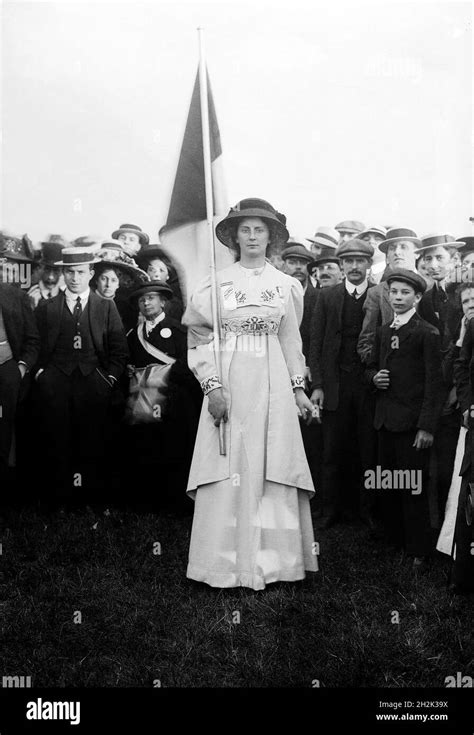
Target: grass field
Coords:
[(143, 622)]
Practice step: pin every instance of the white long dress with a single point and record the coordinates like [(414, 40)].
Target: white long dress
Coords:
[(252, 522)]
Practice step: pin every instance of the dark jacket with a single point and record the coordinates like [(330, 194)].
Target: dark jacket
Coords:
[(108, 335), (463, 369), (415, 396), (325, 343), (453, 313), (20, 324), (310, 298)]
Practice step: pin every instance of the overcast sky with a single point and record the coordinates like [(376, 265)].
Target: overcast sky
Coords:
[(330, 111)]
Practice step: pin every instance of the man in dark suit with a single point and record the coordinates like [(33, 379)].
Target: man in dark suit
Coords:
[(406, 371), (297, 258), (19, 348), (83, 354), (338, 382), (441, 307)]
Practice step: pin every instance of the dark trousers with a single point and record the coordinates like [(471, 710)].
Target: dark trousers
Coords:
[(349, 435), (73, 414), (10, 380), (463, 566), (444, 454), (405, 515)]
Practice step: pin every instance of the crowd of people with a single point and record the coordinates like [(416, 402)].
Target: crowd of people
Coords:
[(341, 376)]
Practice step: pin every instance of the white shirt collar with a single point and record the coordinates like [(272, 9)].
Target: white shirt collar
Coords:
[(70, 296), (400, 319), (360, 289), (150, 324)]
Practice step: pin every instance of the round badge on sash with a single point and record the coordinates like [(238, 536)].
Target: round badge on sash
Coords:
[(165, 332)]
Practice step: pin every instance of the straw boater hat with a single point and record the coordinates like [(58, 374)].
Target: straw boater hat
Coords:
[(112, 255), (79, 256), (397, 234), (350, 225), (159, 287), (253, 208), (135, 230), (435, 241), (325, 236), (376, 230)]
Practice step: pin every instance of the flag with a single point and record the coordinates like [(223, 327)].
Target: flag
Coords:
[(185, 234)]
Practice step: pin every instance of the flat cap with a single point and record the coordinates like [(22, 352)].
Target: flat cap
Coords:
[(355, 247), (350, 225), (406, 276), (296, 251)]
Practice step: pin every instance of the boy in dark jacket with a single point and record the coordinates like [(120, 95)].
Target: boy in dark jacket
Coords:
[(407, 374)]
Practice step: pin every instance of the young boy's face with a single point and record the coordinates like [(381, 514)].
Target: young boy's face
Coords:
[(402, 296)]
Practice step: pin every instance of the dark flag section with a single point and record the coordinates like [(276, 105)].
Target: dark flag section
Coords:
[(188, 199)]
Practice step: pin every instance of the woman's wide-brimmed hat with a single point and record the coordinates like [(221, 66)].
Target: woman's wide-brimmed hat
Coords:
[(253, 208), (135, 230), (159, 287), (397, 234), (149, 251), (19, 249), (112, 255)]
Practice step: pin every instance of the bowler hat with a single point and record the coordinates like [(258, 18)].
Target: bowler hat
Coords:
[(466, 245), (350, 225), (406, 276), (134, 229), (354, 247), (325, 236), (51, 250), (437, 240), (159, 287), (397, 234), (253, 207), (296, 251)]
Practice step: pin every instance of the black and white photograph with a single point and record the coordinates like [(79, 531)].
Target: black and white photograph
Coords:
[(236, 363)]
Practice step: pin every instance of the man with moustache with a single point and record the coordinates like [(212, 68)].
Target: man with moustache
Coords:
[(338, 385), (51, 280), (375, 236), (297, 258), (328, 270), (399, 248)]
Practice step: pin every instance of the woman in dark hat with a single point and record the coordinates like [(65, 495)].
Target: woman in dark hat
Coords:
[(162, 424), (252, 521), (156, 262)]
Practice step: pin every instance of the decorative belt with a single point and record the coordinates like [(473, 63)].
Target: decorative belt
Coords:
[(251, 325)]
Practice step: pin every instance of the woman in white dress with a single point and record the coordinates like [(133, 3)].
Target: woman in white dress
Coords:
[(252, 522)]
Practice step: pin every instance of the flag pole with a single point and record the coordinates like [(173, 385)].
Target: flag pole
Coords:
[(209, 215)]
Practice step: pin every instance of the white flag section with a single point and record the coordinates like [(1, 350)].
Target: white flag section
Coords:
[(185, 236)]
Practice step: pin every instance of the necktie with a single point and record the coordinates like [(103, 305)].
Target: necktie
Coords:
[(49, 294), (354, 294), (396, 322), (77, 314)]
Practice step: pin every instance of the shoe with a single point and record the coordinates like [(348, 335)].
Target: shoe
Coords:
[(420, 563)]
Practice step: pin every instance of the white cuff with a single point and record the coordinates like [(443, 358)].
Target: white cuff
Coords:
[(297, 381)]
